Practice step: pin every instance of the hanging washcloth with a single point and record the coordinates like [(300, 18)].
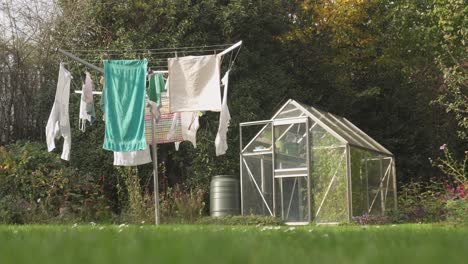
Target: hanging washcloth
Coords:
[(224, 118), (87, 104), (59, 120), (190, 125), (124, 96), (194, 84), (156, 87)]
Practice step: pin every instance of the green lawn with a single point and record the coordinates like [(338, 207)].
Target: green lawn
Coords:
[(86, 244)]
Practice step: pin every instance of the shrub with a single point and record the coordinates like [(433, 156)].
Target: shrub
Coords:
[(457, 211), (36, 187), (420, 202), (181, 205), (455, 196), (368, 219), (242, 220)]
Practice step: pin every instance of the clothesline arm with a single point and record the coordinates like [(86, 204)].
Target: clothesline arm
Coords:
[(73, 57), (94, 92), (224, 52)]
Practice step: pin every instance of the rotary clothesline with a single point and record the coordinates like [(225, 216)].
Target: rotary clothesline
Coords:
[(158, 59)]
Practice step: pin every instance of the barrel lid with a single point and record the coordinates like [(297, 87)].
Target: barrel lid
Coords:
[(225, 176)]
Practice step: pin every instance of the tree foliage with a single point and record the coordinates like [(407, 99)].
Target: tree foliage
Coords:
[(380, 63)]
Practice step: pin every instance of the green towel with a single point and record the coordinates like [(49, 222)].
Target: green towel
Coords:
[(156, 86), (124, 96)]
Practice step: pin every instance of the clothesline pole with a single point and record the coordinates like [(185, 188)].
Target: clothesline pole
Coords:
[(155, 173)]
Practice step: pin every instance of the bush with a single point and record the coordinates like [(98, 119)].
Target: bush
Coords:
[(455, 196), (457, 211), (181, 205), (368, 219), (420, 202), (241, 220), (36, 187)]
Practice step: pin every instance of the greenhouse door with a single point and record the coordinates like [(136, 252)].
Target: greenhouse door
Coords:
[(291, 170)]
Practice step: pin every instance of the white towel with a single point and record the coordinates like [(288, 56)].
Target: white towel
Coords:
[(194, 84), (224, 118)]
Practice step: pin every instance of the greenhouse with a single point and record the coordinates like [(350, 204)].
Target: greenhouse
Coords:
[(306, 165)]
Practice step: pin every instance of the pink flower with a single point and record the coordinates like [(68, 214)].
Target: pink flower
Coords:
[(443, 147)]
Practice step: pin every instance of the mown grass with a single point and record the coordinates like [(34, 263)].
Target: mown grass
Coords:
[(233, 244)]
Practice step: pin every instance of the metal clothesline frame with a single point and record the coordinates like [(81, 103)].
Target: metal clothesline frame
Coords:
[(231, 47)]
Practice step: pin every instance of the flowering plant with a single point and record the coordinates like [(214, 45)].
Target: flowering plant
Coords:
[(456, 192)]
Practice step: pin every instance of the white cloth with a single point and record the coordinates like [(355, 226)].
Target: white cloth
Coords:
[(224, 118), (59, 120), (194, 84), (189, 125), (132, 158), (172, 129), (86, 103), (88, 89), (154, 110)]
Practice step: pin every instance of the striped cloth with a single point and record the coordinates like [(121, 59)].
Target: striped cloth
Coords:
[(164, 124)]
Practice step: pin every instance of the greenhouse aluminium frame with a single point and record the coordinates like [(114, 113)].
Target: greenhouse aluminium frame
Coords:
[(307, 165)]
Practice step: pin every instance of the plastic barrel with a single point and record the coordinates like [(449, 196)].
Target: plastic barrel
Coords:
[(224, 196)]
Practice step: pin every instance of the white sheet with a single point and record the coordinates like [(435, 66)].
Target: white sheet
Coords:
[(194, 84)]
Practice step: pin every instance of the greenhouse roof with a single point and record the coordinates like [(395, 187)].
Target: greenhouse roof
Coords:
[(338, 126)]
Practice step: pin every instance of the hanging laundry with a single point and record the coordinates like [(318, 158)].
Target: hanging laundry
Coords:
[(190, 125), (224, 118), (156, 87), (59, 120), (194, 84), (87, 112), (124, 107), (163, 125), (103, 99), (132, 158), (174, 123)]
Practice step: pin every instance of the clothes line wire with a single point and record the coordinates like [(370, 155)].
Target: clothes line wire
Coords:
[(156, 49), (143, 52)]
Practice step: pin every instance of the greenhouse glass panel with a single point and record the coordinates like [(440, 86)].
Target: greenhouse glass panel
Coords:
[(293, 204), (257, 179), (329, 184), (290, 111)]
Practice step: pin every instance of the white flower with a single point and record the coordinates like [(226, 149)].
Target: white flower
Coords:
[(38, 200), (74, 225)]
